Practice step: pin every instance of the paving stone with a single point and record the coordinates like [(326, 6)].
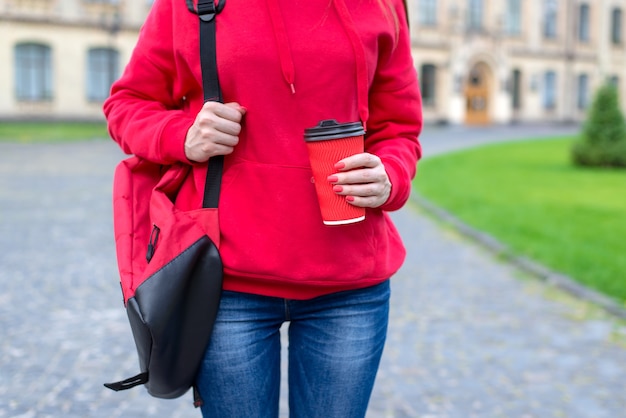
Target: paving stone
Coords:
[(470, 335)]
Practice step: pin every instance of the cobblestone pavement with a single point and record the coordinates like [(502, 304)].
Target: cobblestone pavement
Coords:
[(469, 336)]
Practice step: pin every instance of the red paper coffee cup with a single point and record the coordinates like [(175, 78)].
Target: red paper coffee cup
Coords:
[(327, 143)]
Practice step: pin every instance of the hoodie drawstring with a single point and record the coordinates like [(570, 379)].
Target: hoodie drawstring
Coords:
[(361, 61), (286, 58), (282, 41)]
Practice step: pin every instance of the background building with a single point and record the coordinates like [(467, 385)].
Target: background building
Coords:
[(59, 57), (501, 61), (480, 61)]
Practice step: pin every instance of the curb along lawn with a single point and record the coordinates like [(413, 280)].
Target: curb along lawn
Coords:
[(530, 197), (28, 132)]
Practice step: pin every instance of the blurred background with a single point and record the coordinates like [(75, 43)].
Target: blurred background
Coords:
[(506, 85), (480, 61)]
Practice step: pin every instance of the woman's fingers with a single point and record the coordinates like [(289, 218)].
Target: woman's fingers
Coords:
[(215, 131), (362, 179)]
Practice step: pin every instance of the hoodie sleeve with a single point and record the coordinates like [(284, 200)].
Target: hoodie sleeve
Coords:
[(143, 115), (395, 120)]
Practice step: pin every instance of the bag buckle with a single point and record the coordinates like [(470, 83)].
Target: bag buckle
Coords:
[(207, 9)]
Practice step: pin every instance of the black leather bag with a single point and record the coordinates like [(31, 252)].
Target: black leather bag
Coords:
[(169, 262)]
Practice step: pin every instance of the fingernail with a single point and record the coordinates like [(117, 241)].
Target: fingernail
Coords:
[(337, 189), (332, 179), (340, 166), (350, 198)]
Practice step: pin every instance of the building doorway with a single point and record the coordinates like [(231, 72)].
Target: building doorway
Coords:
[(477, 95)]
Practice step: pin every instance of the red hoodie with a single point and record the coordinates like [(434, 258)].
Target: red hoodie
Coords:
[(290, 63)]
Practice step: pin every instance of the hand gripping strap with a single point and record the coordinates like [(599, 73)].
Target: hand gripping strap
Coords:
[(206, 11)]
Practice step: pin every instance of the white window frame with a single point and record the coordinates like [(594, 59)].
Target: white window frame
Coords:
[(549, 90), (427, 12), (102, 71), (33, 72), (550, 18)]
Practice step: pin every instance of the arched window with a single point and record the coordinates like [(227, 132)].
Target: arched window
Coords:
[(428, 78), (427, 13), (33, 72), (513, 17), (549, 90), (583, 23), (102, 71), (583, 91), (516, 89), (475, 15), (550, 9), (616, 25)]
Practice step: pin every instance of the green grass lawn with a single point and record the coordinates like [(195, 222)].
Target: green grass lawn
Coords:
[(51, 131), (529, 196)]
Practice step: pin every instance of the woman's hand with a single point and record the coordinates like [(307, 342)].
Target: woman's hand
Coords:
[(214, 132), (362, 179)]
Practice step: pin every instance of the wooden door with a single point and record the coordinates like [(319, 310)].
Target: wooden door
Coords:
[(477, 97)]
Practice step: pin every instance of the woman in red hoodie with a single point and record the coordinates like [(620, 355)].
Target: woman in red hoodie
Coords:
[(285, 65)]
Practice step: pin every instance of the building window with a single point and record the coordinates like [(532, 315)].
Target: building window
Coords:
[(549, 90), (475, 15), (33, 72), (513, 17), (583, 23), (616, 26), (428, 80), (614, 81), (102, 71), (516, 89), (583, 91), (427, 14), (549, 18)]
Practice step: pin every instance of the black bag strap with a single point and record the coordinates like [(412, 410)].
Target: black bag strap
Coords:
[(206, 11), (131, 382)]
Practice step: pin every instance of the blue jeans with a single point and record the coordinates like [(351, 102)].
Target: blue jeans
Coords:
[(335, 345)]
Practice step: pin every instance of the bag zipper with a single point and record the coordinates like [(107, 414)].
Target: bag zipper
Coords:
[(154, 237)]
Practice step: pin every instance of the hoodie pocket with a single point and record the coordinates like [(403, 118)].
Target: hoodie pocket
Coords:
[(272, 227)]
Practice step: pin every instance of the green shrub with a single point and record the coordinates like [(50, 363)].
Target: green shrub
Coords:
[(603, 139)]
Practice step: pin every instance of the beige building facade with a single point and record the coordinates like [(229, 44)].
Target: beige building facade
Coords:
[(479, 61), (59, 57), (504, 61)]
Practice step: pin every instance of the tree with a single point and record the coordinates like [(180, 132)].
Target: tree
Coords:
[(603, 139)]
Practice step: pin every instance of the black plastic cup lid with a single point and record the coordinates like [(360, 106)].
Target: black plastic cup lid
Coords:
[(331, 129)]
